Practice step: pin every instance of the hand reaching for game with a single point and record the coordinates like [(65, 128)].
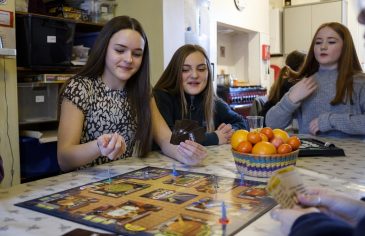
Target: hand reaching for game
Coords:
[(111, 145), (302, 89), (224, 133), (191, 153)]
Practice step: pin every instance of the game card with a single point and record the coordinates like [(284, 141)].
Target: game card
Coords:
[(118, 189), (185, 180), (212, 206), (215, 184), (167, 195), (284, 184), (146, 173), (124, 213), (186, 225)]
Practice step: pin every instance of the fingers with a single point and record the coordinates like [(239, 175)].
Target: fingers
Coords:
[(314, 126), (112, 145), (192, 152)]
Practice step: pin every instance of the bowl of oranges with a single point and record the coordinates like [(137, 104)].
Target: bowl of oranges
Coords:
[(260, 153)]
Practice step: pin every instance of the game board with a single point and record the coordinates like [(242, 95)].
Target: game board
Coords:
[(152, 201)]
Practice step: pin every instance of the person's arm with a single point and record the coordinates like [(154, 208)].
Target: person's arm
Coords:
[(319, 224), (349, 123), (70, 153), (281, 114), (188, 152)]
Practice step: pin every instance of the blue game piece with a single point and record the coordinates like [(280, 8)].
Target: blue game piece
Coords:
[(174, 172), (223, 220), (242, 180)]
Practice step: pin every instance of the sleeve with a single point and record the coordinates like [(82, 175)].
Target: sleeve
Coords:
[(346, 122), (210, 139), (165, 105), (319, 224), (226, 115), (280, 115), (78, 92)]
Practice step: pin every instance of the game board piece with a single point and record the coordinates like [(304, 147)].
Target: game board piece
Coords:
[(242, 180), (146, 174), (181, 221), (174, 171), (110, 179), (224, 220)]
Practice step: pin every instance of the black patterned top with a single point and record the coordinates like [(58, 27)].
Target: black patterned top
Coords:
[(106, 111)]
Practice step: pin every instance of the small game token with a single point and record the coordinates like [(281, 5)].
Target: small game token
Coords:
[(110, 179), (242, 180), (174, 172), (133, 227), (224, 220)]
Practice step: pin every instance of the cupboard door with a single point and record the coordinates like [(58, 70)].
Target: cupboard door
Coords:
[(326, 12), (297, 28)]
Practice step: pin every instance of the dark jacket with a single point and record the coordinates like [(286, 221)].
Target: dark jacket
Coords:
[(320, 224), (170, 109)]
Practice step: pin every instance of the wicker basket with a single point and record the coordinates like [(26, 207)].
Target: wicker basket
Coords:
[(263, 165)]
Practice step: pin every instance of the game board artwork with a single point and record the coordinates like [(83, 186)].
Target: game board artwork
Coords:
[(158, 201)]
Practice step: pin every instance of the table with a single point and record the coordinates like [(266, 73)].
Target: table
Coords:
[(343, 174)]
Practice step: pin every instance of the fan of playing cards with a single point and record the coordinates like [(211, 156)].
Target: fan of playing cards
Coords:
[(187, 130)]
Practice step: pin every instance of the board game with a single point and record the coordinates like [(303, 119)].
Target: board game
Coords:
[(159, 201), (315, 147)]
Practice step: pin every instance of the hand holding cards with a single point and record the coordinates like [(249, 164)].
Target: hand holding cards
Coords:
[(284, 185), (187, 130)]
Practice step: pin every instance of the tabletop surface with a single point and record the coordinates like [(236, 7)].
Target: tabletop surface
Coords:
[(344, 174)]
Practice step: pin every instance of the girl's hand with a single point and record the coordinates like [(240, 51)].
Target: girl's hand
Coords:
[(224, 133), (302, 89), (111, 145), (191, 153), (314, 126)]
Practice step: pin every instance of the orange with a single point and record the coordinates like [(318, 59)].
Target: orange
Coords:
[(254, 137), (277, 141), (264, 148), (268, 132), (244, 147), (284, 148), (294, 142), (281, 134), (238, 136), (264, 137)]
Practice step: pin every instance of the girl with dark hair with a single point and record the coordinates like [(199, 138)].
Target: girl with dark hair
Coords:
[(185, 91), (105, 108), (330, 99)]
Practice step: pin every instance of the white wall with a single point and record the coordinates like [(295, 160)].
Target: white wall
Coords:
[(163, 22), (251, 24)]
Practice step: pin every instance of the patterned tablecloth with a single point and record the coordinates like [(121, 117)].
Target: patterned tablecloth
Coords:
[(344, 174)]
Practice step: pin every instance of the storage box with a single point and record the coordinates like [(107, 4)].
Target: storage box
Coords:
[(43, 41), (37, 102), (37, 160), (85, 39)]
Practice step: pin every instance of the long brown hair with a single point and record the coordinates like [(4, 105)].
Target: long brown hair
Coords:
[(348, 63), (171, 82), (138, 87)]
